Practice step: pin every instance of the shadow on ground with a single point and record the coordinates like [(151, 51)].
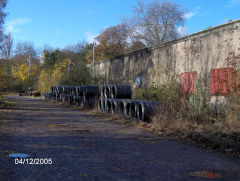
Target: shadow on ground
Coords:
[(88, 148)]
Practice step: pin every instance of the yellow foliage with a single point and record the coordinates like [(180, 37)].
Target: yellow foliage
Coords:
[(45, 82), (21, 72), (57, 75), (62, 65), (48, 78), (60, 70)]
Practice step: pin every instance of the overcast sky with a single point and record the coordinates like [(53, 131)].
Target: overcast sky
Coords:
[(59, 23)]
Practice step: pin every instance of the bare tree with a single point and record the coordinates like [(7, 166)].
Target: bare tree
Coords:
[(3, 14), (3, 4), (25, 48), (6, 47), (156, 22), (22, 52), (78, 47), (135, 46)]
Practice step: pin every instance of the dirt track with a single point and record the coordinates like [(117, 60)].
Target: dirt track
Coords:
[(83, 147)]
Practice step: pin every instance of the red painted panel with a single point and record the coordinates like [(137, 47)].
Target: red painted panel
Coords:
[(213, 81), (188, 82), (221, 81), (184, 83)]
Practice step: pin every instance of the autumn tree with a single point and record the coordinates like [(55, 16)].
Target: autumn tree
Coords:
[(54, 70), (61, 70), (99, 53), (44, 81), (49, 77), (112, 42), (23, 77), (24, 73), (155, 22)]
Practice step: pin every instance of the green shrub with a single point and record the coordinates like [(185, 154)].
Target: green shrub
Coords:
[(199, 102), (4, 102), (192, 107), (79, 75)]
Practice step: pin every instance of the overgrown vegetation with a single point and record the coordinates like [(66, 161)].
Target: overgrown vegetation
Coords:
[(4, 102), (178, 112), (190, 113), (232, 120), (194, 115)]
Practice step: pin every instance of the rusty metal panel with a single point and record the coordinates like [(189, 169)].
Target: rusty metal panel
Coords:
[(213, 82), (221, 81), (188, 82)]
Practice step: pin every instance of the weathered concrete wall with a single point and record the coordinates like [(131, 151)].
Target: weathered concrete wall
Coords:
[(199, 52)]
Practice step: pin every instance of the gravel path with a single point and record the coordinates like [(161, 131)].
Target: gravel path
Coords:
[(83, 147)]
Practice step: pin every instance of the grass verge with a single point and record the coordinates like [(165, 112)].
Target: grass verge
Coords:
[(4, 103), (191, 118)]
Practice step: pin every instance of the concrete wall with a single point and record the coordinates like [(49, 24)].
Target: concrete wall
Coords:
[(199, 52)]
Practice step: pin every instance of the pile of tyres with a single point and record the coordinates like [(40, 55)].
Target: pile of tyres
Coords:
[(116, 98), (84, 96)]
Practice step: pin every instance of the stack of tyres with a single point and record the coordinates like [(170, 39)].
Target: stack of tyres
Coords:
[(115, 106), (134, 108), (53, 95), (111, 97), (54, 90), (102, 103), (89, 96), (116, 98), (116, 91), (127, 107), (79, 95), (74, 95), (59, 90), (108, 105), (48, 95), (121, 91), (146, 109), (65, 93)]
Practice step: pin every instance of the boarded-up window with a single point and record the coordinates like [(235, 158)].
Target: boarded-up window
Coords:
[(188, 82), (221, 81)]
